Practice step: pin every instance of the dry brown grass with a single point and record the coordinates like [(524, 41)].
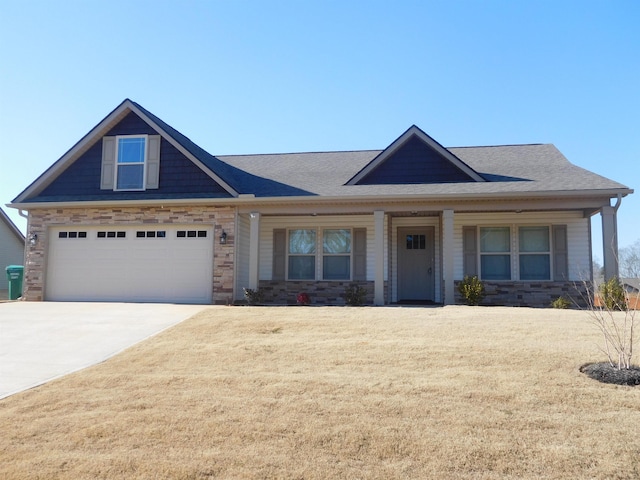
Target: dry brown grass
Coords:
[(316, 393)]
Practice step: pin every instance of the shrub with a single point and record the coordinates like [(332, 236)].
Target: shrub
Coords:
[(303, 298), (355, 295), (561, 302), (613, 295), (253, 297), (472, 290)]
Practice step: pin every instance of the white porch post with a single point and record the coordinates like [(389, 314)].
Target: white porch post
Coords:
[(447, 256), (609, 241), (378, 246), (254, 249)]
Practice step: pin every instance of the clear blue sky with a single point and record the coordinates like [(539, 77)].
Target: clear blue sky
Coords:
[(281, 76)]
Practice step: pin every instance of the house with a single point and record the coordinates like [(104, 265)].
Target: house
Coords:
[(11, 247), (135, 211)]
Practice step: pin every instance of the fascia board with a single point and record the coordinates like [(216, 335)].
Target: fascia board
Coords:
[(391, 149), (314, 200), (51, 173), (230, 190), (98, 131)]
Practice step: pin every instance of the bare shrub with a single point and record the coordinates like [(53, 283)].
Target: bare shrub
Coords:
[(608, 309)]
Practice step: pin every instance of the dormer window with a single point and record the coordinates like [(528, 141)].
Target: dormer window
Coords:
[(130, 162)]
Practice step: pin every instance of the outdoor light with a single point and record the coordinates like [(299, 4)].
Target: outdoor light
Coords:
[(223, 238), (33, 239)]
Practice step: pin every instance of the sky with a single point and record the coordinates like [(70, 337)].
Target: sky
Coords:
[(241, 77)]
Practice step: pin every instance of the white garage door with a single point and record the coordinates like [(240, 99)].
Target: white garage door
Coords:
[(164, 263)]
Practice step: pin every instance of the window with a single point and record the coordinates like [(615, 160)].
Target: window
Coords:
[(302, 254), (534, 253), (130, 161), (495, 253), (336, 259)]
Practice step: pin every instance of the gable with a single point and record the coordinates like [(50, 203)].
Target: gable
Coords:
[(415, 158), (415, 162), (179, 177)]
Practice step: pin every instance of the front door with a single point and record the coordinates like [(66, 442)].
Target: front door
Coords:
[(416, 264)]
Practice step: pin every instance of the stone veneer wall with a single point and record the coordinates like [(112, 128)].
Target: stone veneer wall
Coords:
[(530, 294), (222, 218), (280, 292)]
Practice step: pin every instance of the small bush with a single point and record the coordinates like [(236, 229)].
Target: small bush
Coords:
[(355, 295), (472, 290), (613, 295), (303, 298), (561, 302), (253, 297)]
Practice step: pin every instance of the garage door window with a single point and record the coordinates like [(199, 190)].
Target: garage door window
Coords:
[(72, 234)]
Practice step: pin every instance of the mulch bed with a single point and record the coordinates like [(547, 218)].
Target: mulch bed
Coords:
[(605, 373)]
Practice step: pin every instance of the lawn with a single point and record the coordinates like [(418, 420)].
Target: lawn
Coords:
[(335, 392)]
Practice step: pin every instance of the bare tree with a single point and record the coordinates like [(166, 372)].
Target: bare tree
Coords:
[(630, 261)]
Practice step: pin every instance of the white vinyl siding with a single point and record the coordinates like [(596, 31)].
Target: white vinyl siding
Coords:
[(578, 241)]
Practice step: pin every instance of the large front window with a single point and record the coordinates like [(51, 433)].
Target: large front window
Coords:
[(130, 160), (306, 254), (534, 253), (495, 253)]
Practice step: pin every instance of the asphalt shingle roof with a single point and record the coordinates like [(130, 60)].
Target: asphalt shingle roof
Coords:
[(507, 169)]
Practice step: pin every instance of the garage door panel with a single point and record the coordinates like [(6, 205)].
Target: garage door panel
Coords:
[(164, 264)]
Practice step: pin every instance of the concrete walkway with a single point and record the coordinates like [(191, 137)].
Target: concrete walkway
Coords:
[(41, 341)]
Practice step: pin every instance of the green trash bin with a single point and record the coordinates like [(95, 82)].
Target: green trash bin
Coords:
[(14, 275)]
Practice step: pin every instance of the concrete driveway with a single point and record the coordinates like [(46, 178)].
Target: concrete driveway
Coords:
[(41, 341)]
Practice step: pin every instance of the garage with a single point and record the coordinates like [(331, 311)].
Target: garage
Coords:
[(159, 263)]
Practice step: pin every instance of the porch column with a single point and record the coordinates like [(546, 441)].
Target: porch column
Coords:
[(254, 249), (609, 241), (378, 255), (447, 256)]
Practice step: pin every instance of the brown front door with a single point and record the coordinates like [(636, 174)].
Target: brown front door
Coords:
[(416, 264)]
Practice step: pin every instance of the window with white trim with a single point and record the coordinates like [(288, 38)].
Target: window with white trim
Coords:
[(534, 253), (302, 254), (336, 254), (495, 253), (305, 254), (130, 162)]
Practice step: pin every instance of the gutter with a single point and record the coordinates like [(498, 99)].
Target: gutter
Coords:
[(314, 199)]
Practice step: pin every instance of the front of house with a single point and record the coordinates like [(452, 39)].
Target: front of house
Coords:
[(135, 211)]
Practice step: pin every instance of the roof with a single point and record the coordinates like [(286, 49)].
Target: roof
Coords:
[(510, 170), (12, 226)]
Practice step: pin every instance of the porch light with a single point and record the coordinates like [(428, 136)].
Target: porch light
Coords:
[(33, 239), (223, 238)]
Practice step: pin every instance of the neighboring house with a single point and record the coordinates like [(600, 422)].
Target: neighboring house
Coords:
[(631, 285), (11, 247), (135, 211)]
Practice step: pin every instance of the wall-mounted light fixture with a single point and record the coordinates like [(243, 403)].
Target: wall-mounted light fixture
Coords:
[(33, 239), (223, 238)]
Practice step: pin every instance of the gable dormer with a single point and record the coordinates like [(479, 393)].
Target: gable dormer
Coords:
[(415, 158)]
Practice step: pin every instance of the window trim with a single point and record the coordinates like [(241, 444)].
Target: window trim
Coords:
[(514, 252), (548, 253), (319, 254), (508, 253), (144, 163)]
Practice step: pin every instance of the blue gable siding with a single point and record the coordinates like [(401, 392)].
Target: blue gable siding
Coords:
[(179, 176), (415, 162)]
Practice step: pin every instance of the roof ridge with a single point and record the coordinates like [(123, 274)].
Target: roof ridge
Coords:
[(298, 153)]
